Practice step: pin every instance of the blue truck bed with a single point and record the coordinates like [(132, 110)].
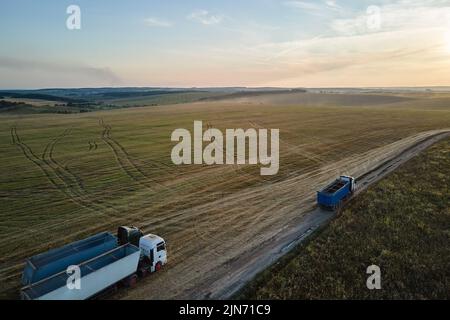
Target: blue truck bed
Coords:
[(332, 195), (44, 265)]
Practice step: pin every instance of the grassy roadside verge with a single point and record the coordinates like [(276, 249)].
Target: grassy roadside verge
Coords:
[(402, 224)]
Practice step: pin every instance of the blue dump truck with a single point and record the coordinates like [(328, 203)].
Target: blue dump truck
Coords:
[(103, 261), (332, 196)]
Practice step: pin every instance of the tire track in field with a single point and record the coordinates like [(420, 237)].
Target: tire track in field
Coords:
[(133, 171), (51, 176), (50, 172), (68, 176), (59, 182), (13, 139), (130, 168), (125, 162)]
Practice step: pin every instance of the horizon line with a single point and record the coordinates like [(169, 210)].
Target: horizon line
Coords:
[(224, 87)]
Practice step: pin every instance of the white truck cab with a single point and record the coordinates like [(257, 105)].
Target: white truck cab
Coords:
[(352, 182), (153, 250), (152, 247)]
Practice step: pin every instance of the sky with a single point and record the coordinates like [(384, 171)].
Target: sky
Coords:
[(212, 43)]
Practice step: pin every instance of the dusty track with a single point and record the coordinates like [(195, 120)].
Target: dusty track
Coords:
[(267, 221)]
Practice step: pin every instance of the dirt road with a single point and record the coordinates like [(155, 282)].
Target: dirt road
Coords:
[(274, 218)]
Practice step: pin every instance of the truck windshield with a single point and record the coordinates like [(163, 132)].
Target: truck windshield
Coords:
[(161, 246)]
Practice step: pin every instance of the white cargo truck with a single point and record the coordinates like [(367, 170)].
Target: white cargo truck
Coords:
[(86, 268)]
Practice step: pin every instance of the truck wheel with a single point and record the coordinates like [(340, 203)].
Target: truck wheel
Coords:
[(158, 267), (131, 281), (142, 272)]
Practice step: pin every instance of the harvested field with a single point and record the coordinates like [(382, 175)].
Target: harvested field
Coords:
[(68, 176)]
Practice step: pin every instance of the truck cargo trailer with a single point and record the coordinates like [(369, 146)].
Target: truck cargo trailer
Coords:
[(54, 261), (97, 275), (99, 262), (332, 196)]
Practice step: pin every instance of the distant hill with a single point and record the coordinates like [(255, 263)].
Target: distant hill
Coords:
[(40, 96), (91, 99)]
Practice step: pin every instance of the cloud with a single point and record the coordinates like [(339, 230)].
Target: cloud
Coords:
[(57, 69), (314, 7), (305, 5), (410, 49), (204, 17), (156, 22), (332, 3), (395, 16)]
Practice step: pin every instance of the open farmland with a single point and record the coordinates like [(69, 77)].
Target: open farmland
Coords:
[(68, 176), (35, 102), (160, 99)]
